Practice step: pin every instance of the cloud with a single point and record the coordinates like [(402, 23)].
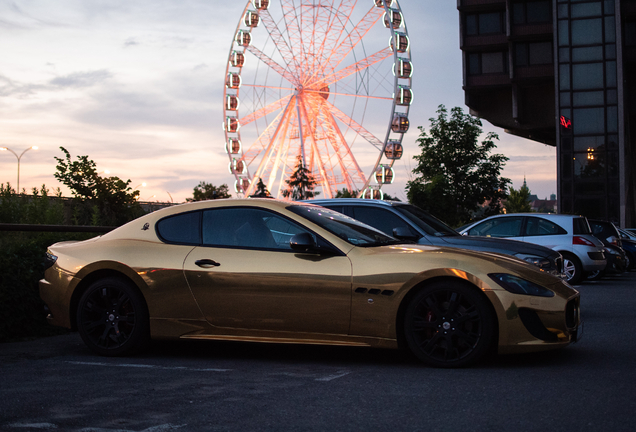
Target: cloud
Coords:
[(81, 79), (130, 42), (11, 88)]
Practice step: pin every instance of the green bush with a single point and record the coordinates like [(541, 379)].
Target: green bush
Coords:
[(22, 256), (22, 263)]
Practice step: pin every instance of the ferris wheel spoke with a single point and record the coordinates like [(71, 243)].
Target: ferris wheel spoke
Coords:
[(274, 106), (329, 25), (361, 96), (346, 160), (279, 40), (357, 67), (336, 147), (273, 152), (294, 35), (353, 38), (315, 159), (271, 63), (377, 143)]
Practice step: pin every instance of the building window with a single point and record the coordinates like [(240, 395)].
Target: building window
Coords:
[(587, 31), (586, 10), (484, 23), (487, 63), (588, 98), (532, 12), (535, 53), (587, 54), (588, 120), (587, 76)]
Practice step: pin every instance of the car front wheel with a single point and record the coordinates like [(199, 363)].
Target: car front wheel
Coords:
[(112, 318), (449, 324)]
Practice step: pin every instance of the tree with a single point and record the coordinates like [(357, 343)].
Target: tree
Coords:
[(346, 193), (106, 200), (300, 184), (518, 200), (261, 190), (456, 175), (207, 191)]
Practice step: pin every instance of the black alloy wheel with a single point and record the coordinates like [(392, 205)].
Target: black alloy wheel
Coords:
[(449, 324), (112, 318)]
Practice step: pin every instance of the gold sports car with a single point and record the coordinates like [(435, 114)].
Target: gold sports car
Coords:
[(265, 270)]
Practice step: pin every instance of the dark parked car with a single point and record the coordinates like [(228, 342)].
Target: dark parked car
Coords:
[(408, 222), (628, 240), (607, 233)]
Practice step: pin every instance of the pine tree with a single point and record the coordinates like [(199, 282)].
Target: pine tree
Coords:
[(300, 184)]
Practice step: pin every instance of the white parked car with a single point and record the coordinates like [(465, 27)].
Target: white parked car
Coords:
[(570, 235)]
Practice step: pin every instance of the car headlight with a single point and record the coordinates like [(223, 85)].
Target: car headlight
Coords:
[(49, 260), (516, 285), (541, 262)]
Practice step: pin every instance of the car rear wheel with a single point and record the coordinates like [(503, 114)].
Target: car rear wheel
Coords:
[(449, 324), (596, 275), (572, 268), (112, 318)]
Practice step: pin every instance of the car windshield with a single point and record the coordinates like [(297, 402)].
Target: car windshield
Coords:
[(430, 224), (348, 229)]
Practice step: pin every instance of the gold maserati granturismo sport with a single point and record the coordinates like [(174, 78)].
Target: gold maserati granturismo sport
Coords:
[(265, 270)]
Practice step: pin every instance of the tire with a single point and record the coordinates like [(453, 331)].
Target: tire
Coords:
[(112, 318), (572, 268), (596, 275), (630, 263), (449, 324)]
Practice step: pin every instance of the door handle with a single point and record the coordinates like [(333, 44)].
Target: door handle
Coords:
[(207, 263)]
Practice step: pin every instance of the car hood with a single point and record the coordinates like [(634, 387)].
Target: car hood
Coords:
[(490, 244)]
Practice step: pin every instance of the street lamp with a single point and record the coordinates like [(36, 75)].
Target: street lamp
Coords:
[(135, 188), (19, 157)]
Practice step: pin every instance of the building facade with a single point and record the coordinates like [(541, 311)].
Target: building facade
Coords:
[(561, 72)]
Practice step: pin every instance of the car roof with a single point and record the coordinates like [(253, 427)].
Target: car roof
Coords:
[(357, 201)]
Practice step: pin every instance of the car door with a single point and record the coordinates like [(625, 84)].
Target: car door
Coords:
[(246, 276), (546, 233)]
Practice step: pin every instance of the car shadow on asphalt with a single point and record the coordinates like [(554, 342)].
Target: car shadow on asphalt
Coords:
[(239, 352)]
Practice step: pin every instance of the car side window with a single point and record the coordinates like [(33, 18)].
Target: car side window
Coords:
[(381, 219), (541, 227), (499, 227), (183, 228), (248, 228)]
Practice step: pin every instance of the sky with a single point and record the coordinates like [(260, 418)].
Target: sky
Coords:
[(137, 85)]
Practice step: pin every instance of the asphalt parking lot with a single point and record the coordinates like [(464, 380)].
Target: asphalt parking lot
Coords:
[(57, 384)]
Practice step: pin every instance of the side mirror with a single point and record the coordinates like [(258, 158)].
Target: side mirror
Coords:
[(303, 242), (404, 233)]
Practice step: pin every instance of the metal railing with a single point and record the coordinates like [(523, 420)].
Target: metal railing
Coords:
[(55, 228)]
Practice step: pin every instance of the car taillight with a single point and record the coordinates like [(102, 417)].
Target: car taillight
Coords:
[(576, 240), (614, 240)]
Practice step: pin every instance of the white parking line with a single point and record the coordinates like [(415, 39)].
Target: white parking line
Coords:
[(132, 365), (159, 428), (333, 377)]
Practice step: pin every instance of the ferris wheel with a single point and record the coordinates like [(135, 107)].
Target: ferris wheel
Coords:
[(324, 81)]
